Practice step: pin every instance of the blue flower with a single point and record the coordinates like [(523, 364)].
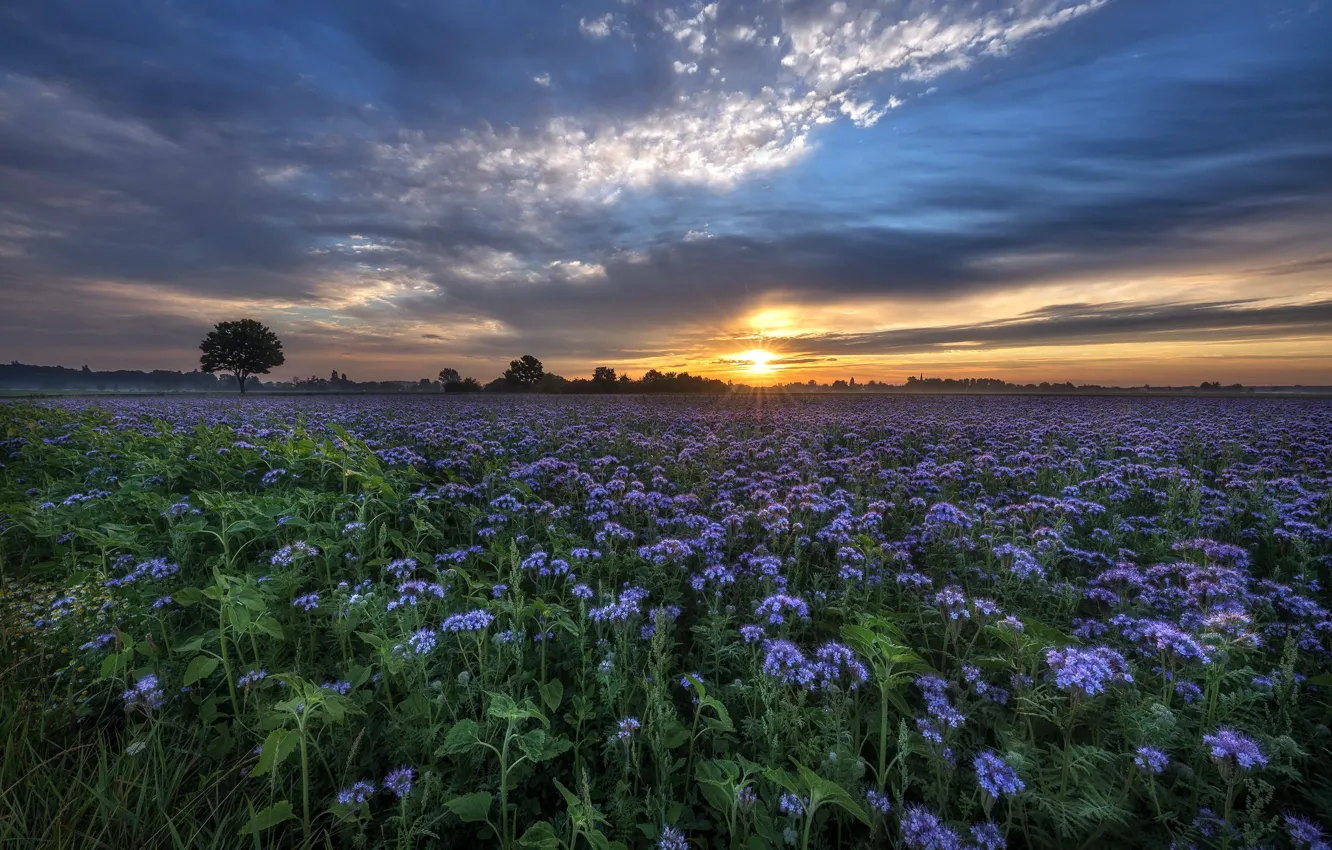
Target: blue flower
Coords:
[(308, 602), (627, 727), (672, 839), (1087, 670), (922, 830), (1152, 759), (996, 777), (146, 695), (399, 781), (988, 837), (357, 794), (469, 621), (423, 641), (1227, 745)]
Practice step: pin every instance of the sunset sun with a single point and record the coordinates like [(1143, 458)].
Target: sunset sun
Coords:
[(759, 361)]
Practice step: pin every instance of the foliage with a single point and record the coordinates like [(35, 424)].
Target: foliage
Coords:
[(243, 348), (663, 622), (525, 372)]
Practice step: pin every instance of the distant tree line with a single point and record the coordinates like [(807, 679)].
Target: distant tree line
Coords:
[(246, 349)]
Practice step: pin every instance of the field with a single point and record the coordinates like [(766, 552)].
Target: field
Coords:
[(588, 623)]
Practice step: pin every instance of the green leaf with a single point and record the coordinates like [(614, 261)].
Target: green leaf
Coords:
[(373, 639), (784, 779), (502, 706), (201, 667), (188, 596), (570, 799), (540, 835), (471, 808), (358, 675), (722, 723), (698, 685), (718, 794), (191, 645), (675, 735), (532, 744), (277, 746), (268, 818), (269, 626), (830, 792), (109, 666), (551, 694), (461, 737)]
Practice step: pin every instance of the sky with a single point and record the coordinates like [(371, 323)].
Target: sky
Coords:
[(1105, 191)]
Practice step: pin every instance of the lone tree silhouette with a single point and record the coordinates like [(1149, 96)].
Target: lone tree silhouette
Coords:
[(243, 348), (525, 372)]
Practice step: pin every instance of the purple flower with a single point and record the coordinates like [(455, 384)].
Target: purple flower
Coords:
[(878, 801), (469, 621), (357, 794), (953, 602), (251, 678), (996, 777), (1152, 759), (1304, 832), (752, 633), (834, 661), (672, 839), (922, 830), (399, 781), (308, 602), (785, 662), (288, 554), (627, 727), (1229, 746), (774, 605), (146, 695), (1087, 670), (423, 641), (99, 641), (792, 805), (628, 605), (988, 836), (401, 569)]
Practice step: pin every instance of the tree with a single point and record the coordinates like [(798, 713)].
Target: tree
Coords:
[(603, 374), (449, 376), (243, 348), (525, 372)]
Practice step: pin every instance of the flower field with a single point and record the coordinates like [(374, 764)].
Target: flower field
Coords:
[(661, 622)]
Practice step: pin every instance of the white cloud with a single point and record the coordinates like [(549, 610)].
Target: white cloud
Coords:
[(709, 136), (863, 114), (576, 271), (598, 27), (834, 50), (542, 80)]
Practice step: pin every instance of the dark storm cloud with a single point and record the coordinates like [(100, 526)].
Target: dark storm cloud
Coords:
[(1080, 324), (585, 184)]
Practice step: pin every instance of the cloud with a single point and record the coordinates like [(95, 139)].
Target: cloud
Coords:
[(600, 27), (850, 152), (1083, 324)]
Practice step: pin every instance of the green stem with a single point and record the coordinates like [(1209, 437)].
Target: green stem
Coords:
[(226, 663), (305, 785), (883, 737)]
